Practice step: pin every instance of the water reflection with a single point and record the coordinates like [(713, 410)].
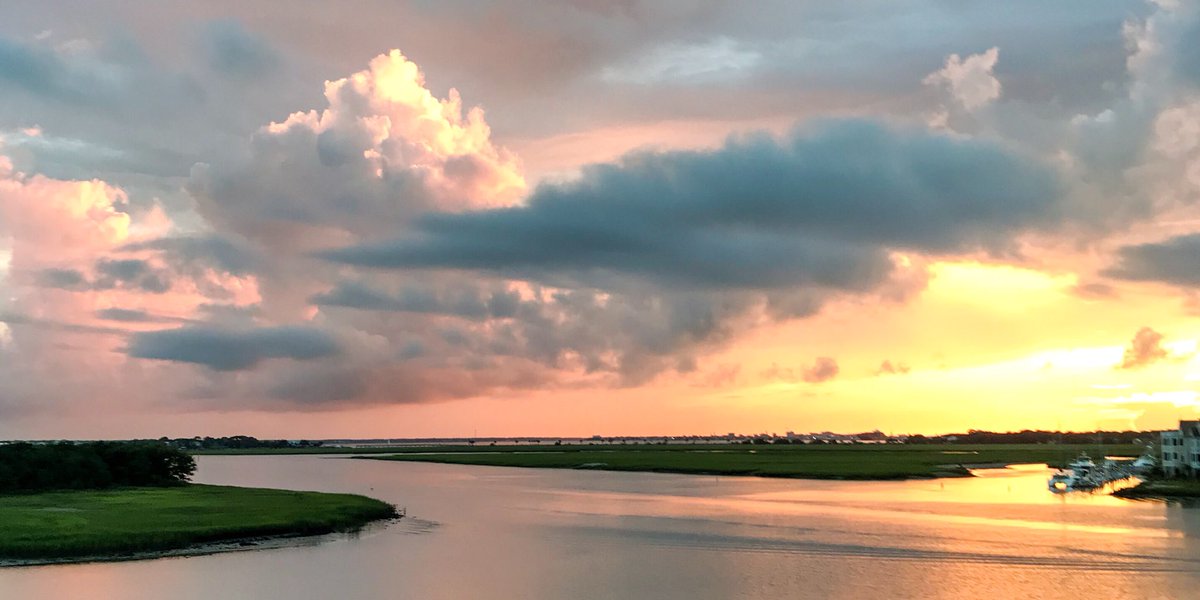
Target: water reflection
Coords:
[(520, 533)]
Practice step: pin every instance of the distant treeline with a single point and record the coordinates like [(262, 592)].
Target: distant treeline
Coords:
[(236, 442), (26, 467), (1039, 437)]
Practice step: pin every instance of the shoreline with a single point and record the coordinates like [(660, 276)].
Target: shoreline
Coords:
[(951, 471), (242, 544), (1162, 490)]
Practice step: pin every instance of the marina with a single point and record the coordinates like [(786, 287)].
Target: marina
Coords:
[(1085, 475)]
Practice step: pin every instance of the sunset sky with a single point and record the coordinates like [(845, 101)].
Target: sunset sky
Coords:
[(376, 218)]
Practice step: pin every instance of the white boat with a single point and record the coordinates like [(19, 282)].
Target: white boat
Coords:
[(1145, 463), (1081, 474)]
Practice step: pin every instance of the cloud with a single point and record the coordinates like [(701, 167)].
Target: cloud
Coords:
[(719, 60), (43, 71), (67, 279), (1145, 349), (889, 368), (59, 221), (115, 76), (69, 295), (1188, 57), (127, 315), (229, 350), (723, 375), (202, 252), (668, 253), (1138, 156), (465, 301), (778, 373), (234, 51), (123, 314), (969, 80), (384, 150), (135, 274), (820, 208), (1094, 291), (75, 158), (823, 369), (132, 272), (1173, 261)]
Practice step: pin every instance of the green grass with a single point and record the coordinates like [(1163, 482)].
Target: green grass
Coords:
[(1162, 489), (67, 524), (309, 450), (864, 461)]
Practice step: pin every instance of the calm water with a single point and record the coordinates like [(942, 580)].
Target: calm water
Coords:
[(480, 532)]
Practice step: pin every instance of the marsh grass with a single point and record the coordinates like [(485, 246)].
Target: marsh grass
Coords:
[(858, 461), (112, 522)]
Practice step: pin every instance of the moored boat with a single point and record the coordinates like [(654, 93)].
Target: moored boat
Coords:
[(1081, 474)]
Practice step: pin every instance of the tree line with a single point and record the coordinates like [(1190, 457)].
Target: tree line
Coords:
[(234, 442), (1030, 436), (26, 467)]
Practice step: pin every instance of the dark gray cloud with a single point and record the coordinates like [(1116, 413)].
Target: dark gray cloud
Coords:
[(109, 274), (130, 273), (471, 302), (819, 208), (230, 350), (66, 279), (42, 71), (114, 76), (234, 51), (23, 320), (125, 315), (1175, 261), (129, 315), (213, 251), (122, 270)]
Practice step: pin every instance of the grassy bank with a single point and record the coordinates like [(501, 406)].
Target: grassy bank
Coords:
[(1162, 489), (798, 461), (63, 525), (308, 450)]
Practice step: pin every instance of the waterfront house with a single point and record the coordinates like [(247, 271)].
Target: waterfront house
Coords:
[(1181, 450)]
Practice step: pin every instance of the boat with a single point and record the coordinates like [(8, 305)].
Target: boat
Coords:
[(1084, 475), (1145, 463), (1081, 474)]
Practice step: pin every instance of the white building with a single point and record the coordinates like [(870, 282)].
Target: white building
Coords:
[(1181, 450)]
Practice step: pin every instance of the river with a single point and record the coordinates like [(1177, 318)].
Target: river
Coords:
[(500, 533)]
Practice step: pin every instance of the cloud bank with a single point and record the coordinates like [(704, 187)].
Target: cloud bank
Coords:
[(819, 208)]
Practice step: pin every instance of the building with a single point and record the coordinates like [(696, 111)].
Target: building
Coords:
[(1181, 450)]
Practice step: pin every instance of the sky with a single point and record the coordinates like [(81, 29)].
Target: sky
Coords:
[(597, 217)]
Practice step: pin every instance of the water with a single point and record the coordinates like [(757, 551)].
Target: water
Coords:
[(483, 532)]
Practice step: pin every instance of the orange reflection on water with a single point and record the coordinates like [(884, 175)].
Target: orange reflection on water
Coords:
[(963, 501)]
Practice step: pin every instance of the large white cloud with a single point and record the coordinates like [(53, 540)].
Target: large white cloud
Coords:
[(384, 150)]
